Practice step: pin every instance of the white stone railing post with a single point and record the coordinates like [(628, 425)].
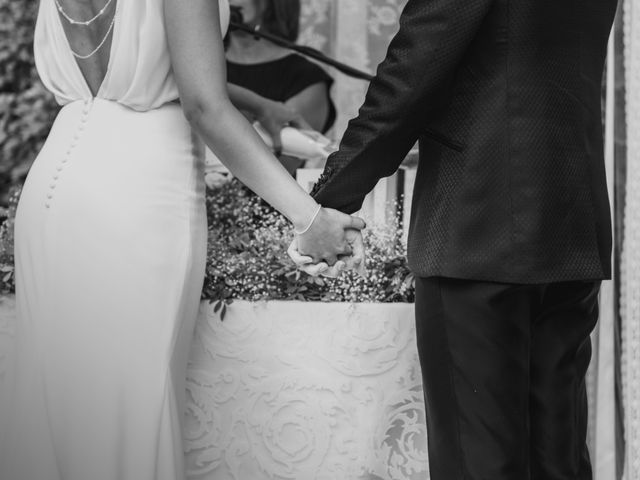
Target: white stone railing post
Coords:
[(350, 47)]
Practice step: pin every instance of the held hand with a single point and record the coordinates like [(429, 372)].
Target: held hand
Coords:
[(306, 264), (325, 239), (355, 261), (274, 116)]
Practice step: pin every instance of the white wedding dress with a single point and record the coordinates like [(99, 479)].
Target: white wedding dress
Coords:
[(110, 257)]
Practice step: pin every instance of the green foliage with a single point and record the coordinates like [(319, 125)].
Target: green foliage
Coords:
[(247, 257), (27, 110), (8, 215)]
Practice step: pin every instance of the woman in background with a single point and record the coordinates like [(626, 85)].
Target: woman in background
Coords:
[(275, 72), (272, 115)]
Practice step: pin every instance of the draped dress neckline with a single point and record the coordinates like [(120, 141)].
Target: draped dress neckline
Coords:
[(138, 72), (59, 28)]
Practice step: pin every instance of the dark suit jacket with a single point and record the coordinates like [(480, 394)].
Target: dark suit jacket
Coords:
[(505, 99)]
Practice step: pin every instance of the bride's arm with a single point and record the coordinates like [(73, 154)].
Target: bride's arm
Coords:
[(195, 45)]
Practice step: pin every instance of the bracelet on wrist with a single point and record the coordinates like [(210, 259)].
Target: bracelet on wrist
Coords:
[(313, 219)]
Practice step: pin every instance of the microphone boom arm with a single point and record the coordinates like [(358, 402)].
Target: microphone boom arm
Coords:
[(306, 51)]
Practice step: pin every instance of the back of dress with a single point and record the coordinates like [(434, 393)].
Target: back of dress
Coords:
[(139, 72)]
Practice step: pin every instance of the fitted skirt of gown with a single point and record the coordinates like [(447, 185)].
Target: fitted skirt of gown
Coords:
[(110, 258)]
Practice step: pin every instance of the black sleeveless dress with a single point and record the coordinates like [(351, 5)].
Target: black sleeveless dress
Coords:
[(281, 79)]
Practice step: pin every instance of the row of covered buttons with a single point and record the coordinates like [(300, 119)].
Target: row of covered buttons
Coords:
[(76, 137)]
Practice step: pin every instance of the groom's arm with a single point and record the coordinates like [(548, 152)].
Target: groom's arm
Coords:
[(409, 85)]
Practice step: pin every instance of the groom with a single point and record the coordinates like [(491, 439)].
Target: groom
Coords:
[(510, 228)]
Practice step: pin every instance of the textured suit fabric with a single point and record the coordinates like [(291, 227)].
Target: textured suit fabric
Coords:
[(504, 97), (503, 371)]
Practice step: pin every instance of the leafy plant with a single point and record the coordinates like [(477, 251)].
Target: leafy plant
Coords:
[(27, 110), (7, 216), (247, 258)]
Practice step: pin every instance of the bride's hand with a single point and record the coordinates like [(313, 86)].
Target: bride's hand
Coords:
[(274, 116), (305, 263), (331, 243), (325, 239), (355, 261)]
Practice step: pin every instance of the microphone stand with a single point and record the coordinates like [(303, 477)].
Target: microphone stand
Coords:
[(238, 24)]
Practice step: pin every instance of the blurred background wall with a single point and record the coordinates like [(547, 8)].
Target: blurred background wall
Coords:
[(356, 32)]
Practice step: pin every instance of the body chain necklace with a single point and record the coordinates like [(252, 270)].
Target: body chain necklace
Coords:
[(86, 24)]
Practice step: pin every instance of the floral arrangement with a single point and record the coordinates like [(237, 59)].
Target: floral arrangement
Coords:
[(247, 257)]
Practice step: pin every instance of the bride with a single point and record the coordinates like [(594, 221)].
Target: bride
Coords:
[(111, 234)]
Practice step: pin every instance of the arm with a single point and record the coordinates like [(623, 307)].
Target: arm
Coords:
[(193, 32), (312, 104), (273, 116), (409, 86), (246, 100)]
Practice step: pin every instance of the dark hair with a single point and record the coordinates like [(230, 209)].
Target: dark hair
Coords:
[(282, 18)]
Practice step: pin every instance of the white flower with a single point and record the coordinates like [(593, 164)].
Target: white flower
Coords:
[(216, 179)]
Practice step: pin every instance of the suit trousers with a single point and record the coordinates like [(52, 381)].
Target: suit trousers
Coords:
[(503, 369)]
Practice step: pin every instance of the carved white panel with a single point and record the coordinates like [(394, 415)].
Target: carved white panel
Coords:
[(312, 391), (287, 390)]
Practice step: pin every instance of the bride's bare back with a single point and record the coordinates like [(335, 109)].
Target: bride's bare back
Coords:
[(85, 39)]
